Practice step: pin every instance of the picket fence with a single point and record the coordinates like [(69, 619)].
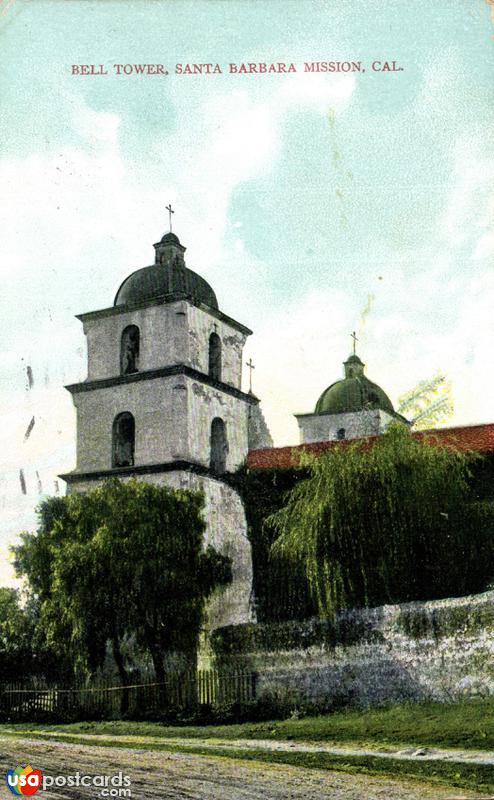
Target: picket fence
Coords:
[(181, 692)]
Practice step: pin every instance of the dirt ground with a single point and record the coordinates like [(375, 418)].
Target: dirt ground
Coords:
[(173, 776)]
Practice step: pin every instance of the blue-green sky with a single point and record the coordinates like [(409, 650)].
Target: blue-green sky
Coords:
[(314, 204)]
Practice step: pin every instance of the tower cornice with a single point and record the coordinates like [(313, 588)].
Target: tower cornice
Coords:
[(164, 300), (162, 372), (143, 469)]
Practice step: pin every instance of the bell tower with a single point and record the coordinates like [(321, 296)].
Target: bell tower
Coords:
[(163, 402)]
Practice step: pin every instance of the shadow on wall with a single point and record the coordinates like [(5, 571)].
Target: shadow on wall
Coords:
[(441, 650)]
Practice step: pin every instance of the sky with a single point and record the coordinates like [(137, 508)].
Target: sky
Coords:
[(314, 204)]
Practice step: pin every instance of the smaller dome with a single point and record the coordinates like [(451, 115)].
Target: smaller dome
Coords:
[(354, 393), (170, 238)]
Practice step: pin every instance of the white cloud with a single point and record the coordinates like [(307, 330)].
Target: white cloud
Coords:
[(485, 247), (471, 199), (100, 127), (298, 353), (77, 219), (321, 93)]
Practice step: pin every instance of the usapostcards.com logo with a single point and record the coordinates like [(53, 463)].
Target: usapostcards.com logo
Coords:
[(24, 781)]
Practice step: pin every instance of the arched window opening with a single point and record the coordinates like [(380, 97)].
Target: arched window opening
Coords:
[(219, 446), (129, 350), (123, 443), (340, 433), (215, 357)]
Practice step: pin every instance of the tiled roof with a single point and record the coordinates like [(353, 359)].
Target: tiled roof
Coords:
[(470, 437)]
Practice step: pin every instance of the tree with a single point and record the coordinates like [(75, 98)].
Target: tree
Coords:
[(23, 648), (126, 559), (15, 635), (388, 521)]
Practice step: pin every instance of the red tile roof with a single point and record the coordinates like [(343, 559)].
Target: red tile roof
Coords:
[(468, 437)]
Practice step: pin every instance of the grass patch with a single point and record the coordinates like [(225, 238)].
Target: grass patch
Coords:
[(468, 725), (477, 777)]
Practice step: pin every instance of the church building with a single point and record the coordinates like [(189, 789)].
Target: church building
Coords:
[(349, 409), (163, 402)]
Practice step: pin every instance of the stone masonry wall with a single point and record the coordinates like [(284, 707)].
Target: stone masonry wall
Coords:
[(173, 416), (439, 650), (258, 431), (325, 427), (170, 333)]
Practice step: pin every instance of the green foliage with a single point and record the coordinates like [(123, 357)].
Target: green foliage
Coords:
[(391, 522), (124, 560), (296, 635), (23, 648), (15, 635), (469, 725), (280, 587), (438, 623)]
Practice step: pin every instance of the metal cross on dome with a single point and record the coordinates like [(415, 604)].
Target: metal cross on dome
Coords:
[(170, 212), (355, 340), (251, 366)]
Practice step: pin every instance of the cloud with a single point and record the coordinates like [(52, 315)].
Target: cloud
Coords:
[(470, 201), (77, 218), (298, 353), (317, 92), (432, 311)]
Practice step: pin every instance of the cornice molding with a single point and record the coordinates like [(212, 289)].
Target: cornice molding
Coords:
[(142, 469), (164, 300), (162, 372)]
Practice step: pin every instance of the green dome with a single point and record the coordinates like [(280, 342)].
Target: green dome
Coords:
[(168, 276), (354, 393), (152, 283)]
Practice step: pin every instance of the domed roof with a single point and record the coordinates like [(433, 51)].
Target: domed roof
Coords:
[(354, 393), (168, 276), (170, 238), (151, 283)]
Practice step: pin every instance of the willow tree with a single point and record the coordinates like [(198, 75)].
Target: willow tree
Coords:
[(386, 521)]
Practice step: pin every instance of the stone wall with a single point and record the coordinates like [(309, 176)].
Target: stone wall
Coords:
[(258, 431), (173, 416), (355, 424), (163, 338), (439, 650), (170, 333), (201, 324)]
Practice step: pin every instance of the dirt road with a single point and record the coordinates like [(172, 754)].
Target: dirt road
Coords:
[(179, 776)]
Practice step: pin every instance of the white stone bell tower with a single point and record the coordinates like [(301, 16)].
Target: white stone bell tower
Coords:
[(163, 402)]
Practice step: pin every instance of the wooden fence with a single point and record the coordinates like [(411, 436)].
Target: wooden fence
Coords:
[(181, 692)]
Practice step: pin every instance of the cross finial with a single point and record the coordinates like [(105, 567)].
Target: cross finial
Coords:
[(251, 366), (355, 340), (170, 212)]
